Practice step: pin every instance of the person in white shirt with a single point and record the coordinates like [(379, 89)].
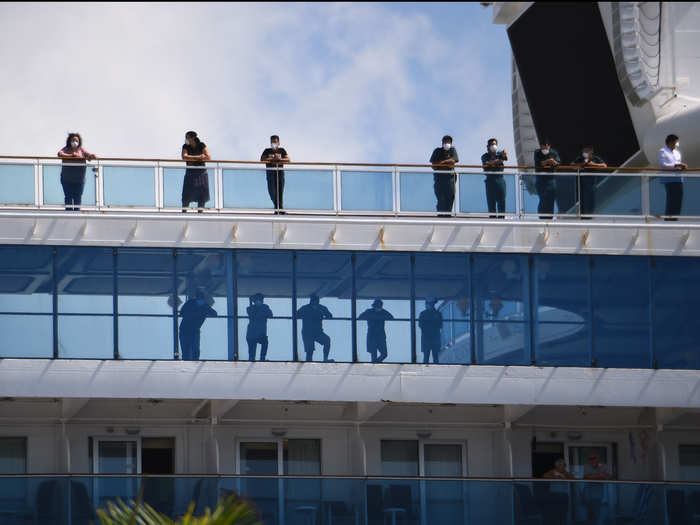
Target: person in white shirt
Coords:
[(670, 158)]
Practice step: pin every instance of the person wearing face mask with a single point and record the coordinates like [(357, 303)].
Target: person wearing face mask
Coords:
[(588, 161), (443, 160), (196, 184), (670, 158), (492, 162), (73, 170), (275, 156), (546, 160)]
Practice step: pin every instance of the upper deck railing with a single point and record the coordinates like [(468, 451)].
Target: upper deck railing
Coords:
[(318, 188)]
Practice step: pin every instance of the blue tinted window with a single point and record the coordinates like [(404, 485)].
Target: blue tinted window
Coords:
[(620, 287)]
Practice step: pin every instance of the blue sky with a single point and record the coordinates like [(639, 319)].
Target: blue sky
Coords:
[(352, 82)]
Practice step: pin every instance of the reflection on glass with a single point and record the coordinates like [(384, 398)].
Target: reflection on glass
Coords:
[(456, 342), (145, 281), (13, 456), (399, 457), (26, 336), (301, 457), (25, 279), (279, 347), (474, 188), (366, 190), (53, 191), (116, 457), (308, 189), (16, 184), (430, 323), (417, 193), (86, 337), (245, 189), (173, 182), (259, 459), (442, 460), (145, 337), (128, 186), (501, 343), (256, 332), (312, 316), (193, 313), (376, 317)]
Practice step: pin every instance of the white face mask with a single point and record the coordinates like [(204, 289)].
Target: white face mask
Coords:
[(678, 145), (447, 145), (275, 145), (493, 148), (75, 143), (545, 152), (585, 155)]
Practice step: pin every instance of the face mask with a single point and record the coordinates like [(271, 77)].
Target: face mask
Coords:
[(678, 145), (75, 143), (586, 155), (493, 148), (275, 145), (447, 145), (545, 152)]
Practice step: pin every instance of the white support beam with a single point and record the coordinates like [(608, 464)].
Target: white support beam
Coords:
[(71, 406), (200, 406), (219, 407), (513, 413)]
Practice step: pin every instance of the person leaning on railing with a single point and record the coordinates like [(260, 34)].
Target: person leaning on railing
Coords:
[(492, 161), (195, 187), (546, 160), (275, 175), (586, 184), (670, 158), (443, 160), (73, 176)]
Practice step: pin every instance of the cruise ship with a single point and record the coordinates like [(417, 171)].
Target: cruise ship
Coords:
[(560, 338)]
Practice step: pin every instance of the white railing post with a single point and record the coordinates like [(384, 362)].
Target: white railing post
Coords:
[(218, 187), (397, 191), (99, 186), (457, 207), (646, 195), (38, 184), (518, 188), (337, 190), (159, 190)]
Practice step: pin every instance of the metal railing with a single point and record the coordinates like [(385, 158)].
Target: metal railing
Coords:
[(352, 189)]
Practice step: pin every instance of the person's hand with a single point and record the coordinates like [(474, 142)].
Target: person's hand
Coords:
[(277, 156)]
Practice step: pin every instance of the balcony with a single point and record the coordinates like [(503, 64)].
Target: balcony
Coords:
[(318, 500)]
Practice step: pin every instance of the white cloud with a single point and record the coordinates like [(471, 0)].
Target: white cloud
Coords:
[(346, 82)]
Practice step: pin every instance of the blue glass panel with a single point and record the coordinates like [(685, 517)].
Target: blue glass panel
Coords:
[(245, 188), (85, 280), (145, 337), (53, 190), (26, 336), (279, 339), (417, 192), (473, 188), (386, 277), (16, 184), (367, 190), (206, 271), (676, 303), (501, 343), (561, 190), (173, 181), (145, 281), (214, 339), (334, 334), (613, 194), (621, 311), (308, 189), (86, 337), (25, 279), (562, 310), (691, 194), (456, 342), (129, 186)]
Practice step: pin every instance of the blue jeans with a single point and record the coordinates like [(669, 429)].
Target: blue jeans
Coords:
[(73, 192)]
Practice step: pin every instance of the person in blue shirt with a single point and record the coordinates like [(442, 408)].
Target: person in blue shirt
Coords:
[(546, 160), (312, 316), (258, 314), (194, 312), (492, 161), (444, 177), (430, 323), (376, 336)]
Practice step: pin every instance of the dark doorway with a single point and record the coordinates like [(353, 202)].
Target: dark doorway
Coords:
[(544, 454), (158, 458)]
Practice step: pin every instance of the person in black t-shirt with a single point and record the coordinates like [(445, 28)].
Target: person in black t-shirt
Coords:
[(546, 160), (258, 314), (443, 160), (430, 323), (275, 176), (492, 161), (376, 336), (586, 184), (195, 187), (194, 312)]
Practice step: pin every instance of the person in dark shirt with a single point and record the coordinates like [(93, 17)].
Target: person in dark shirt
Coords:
[(275, 175), (588, 161), (258, 314), (492, 161), (430, 323), (546, 160), (195, 187), (376, 336), (193, 313), (443, 160), (312, 316)]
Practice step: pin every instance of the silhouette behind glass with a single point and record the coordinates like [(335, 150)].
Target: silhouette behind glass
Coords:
[(258, 314), (193, 313), (430, 323), (376, 336), (312, 316)]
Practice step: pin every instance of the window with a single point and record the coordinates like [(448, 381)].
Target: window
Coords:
[(422, 458), (13, 455), (291, 457), (689, 462)]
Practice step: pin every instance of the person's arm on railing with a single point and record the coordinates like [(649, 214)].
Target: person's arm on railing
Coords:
[(204, 156)]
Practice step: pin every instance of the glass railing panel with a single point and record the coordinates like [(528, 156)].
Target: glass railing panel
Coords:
[(683, 192), (26, 335), (562, 344), (213, 339), (307, 189), (142, 337), (54, 192), (336, 336), (17, 184), (618, 345), (456, 343), (487, 192), (394, 341), (393, 500), (86, 336), (547, 194), (246, 188), (367, 190), (501, 343), (278, 340), (610, 194), (129, 186), (417, 192), (194, 184)]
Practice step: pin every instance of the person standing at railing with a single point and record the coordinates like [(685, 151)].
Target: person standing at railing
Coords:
[(376, 336), (73, 170), (492, 162), (312, 316), (275, 175), (443, 160), (195, 187), (546, 160), (430, 324), (258, 314), (588, 161), (670, 158)]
